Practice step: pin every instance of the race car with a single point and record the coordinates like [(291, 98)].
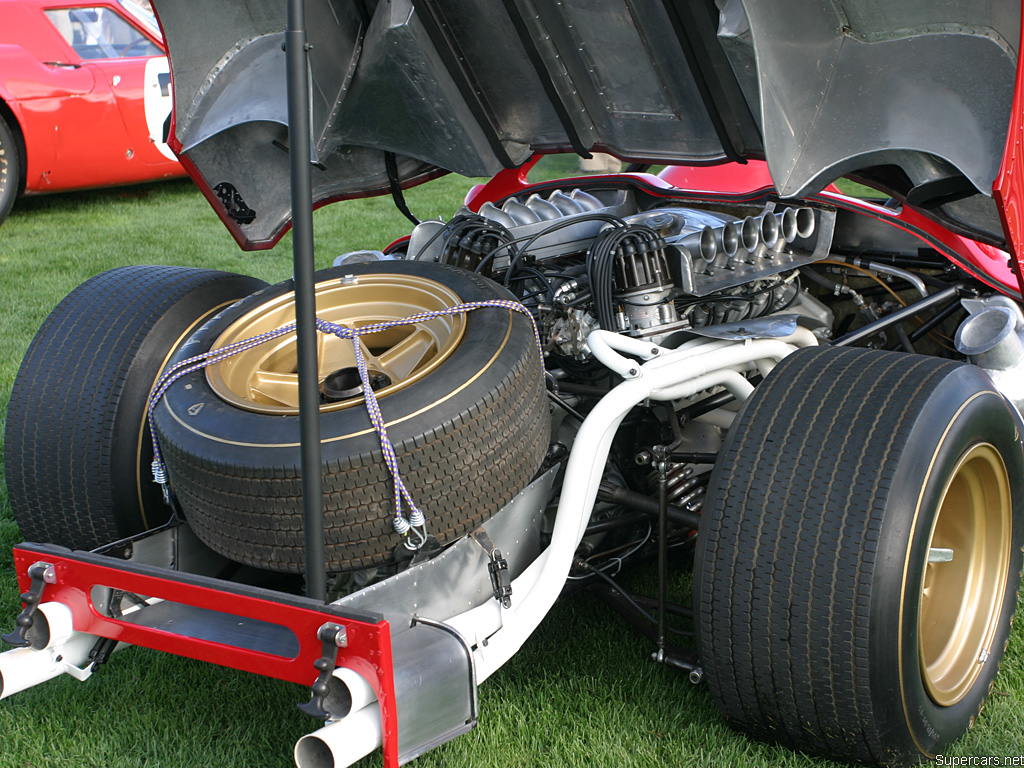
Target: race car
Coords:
[(376, 480)]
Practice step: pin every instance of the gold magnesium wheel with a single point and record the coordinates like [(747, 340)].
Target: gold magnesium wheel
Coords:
[(264, 379), (965, 579)]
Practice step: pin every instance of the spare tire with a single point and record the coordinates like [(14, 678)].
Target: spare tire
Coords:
[(463, 399)]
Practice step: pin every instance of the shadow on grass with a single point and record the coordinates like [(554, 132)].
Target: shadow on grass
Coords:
[(75, 202)]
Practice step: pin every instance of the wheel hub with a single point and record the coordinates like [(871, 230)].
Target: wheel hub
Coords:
[(264, 378), (965, 577)]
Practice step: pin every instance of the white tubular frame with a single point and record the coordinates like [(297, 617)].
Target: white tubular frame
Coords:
[(666, 375)]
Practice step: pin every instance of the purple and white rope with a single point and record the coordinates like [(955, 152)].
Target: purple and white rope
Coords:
[(402, 526)]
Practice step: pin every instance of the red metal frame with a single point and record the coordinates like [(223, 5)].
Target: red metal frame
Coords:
[(367, 653)]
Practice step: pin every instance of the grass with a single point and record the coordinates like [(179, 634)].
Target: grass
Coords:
[(582, 692)]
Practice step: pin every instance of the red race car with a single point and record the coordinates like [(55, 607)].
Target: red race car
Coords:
[(804, 405), (84, 94)]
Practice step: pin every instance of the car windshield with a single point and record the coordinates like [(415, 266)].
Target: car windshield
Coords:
[(142, 12)]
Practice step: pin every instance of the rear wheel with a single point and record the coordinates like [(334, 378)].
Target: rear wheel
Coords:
[(77, 447), (10, 169), (860, 554)]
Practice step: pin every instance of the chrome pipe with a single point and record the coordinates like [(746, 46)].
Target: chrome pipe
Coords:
[(702, 244), (804, 222), (750, 233), (567, 205), (727, 239), (492, 212), (787, 224), (768, 227), (990, 340), (543, 208), (519, 212)]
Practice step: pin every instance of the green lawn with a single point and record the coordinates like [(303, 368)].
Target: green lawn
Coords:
[(583, 692)]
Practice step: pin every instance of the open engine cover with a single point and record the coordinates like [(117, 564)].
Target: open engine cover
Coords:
[(471, 87)]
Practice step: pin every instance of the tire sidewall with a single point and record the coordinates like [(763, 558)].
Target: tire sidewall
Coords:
[(131, 461), (949, 426)]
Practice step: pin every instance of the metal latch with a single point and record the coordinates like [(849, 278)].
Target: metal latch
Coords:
[(333, 636), (41, 574), (501, 580)]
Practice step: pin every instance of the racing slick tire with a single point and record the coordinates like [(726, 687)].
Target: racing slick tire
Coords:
[(859, 554), (78, 449), (462, 397)]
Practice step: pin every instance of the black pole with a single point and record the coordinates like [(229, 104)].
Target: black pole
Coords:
[(662, 467), (305, 298)]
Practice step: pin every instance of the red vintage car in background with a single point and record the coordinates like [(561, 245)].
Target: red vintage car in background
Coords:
[(84, 94)]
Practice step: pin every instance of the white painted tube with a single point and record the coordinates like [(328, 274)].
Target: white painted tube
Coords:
[(341, 743), (360, 692), (58, 623), (23, 668), (606, 347)]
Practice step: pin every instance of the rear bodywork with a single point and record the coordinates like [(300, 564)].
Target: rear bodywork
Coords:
[(755, 109), (470, 88)]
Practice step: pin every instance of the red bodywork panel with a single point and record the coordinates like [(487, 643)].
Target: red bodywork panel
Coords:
[(1008, 189), (367, 653), (82, 121)]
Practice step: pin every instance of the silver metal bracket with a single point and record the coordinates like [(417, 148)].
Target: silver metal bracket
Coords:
[(501, 580)]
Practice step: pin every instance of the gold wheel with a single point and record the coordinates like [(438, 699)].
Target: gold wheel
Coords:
[(264, 379), (965, 579)]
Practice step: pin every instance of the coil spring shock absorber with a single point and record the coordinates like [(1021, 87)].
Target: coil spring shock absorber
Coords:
[(685, 488)]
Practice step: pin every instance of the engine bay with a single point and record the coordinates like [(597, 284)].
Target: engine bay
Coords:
[(679, 274), (586, 260)]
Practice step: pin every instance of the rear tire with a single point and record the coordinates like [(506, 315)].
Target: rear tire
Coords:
[(78, 450), (822, 623), (10, 169)]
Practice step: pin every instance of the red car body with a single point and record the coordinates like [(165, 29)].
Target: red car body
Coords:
[(79, 115)]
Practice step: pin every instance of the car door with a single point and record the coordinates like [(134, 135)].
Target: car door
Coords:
[(122, 140)]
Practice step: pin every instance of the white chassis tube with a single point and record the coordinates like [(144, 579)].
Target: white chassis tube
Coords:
[(667, 375)]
